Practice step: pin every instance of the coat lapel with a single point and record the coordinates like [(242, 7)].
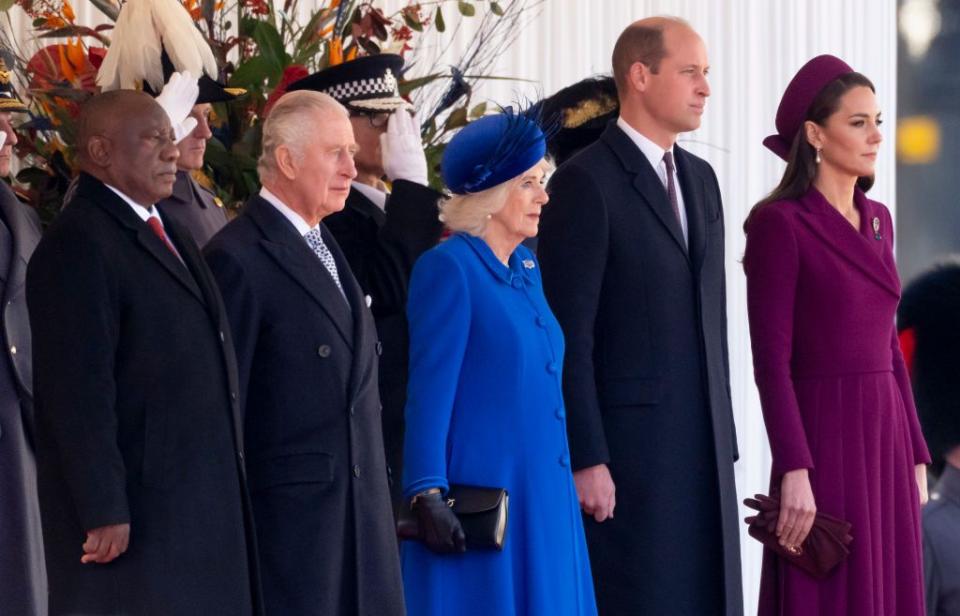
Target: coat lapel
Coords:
[(694, 200), (359, 310), (645, 181), (97, 192), (863, 252), (294, 256)]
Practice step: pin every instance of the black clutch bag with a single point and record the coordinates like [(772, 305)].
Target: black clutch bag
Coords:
[(482, 513)]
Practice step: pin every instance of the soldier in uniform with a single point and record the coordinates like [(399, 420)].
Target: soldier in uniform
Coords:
[(23, 590), (382, 233), (192, 205)]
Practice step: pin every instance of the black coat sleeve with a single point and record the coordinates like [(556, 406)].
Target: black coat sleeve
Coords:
[(572, 249), (74, 304), (381, 256)]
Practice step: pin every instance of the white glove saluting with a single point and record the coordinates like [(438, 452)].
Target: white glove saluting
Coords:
[(178, 98), (402, 150)]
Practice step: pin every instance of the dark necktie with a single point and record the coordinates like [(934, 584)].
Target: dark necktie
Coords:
[(672, 188), (154, 223)]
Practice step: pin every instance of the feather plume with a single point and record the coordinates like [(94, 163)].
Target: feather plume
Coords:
[(144, 30)]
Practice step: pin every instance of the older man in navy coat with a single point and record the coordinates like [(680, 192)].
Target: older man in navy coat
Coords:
[(632, 252), (307, 350)]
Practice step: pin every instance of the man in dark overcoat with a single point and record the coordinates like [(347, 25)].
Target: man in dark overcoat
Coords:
[(307, 352), (632, 251), (23, 589), (138, 428), (383, 233)]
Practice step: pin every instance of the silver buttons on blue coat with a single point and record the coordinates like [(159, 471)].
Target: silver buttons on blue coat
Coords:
[(560, 413), (552, 367)]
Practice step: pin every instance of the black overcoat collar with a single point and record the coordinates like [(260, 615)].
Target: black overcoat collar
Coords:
[(286, 246), (97, 193), (648, 185)]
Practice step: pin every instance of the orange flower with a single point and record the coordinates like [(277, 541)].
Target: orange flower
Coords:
[(68, 11), (76, 54), (352, 53), (336, 52), (65, 66)]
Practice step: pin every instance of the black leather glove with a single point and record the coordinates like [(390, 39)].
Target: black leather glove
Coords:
[(441, 529)]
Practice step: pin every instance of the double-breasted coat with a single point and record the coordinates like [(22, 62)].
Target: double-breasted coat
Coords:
[(137, 417), (381, 246), (836, 399), (646, 375), (23, 591), (308, 379), (194, 208)]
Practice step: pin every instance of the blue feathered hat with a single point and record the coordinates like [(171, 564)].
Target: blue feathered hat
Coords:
[(492, 150)]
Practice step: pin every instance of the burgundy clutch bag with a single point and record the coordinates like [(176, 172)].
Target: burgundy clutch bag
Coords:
[(825, 547)]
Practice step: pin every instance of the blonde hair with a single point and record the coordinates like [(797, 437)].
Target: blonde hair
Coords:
[(289, 124), (469, 213)]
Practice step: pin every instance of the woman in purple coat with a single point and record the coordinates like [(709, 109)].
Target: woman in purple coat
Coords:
[(822, 291)]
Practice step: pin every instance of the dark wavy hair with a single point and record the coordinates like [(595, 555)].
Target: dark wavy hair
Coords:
[(801, 162)]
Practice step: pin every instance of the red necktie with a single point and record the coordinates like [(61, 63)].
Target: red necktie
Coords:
[(154, 223)]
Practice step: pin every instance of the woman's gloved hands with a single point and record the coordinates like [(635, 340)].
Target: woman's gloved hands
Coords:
[(441, 529)]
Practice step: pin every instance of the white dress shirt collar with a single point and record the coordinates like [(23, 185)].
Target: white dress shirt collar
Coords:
[(654, 153), (651, 150), (143, 212), (376, 195), (295, 219)]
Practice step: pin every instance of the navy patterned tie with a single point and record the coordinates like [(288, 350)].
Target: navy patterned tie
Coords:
[(316, 243), (671, 187)]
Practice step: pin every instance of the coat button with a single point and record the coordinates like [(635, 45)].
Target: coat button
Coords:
[(356, 470), (353, 410), (564, 460), (552, 367), (13, 350), (323, 350), (240, 455), (233, 396), (541, 322), (516, 282), (222, 337), (561, 414), (379, 348)]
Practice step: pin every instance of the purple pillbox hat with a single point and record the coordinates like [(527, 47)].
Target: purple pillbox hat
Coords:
[(797, 98)]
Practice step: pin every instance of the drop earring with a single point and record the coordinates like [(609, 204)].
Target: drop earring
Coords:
[(817, 159)]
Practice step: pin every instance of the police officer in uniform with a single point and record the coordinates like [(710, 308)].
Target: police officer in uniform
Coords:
[(382, 233)]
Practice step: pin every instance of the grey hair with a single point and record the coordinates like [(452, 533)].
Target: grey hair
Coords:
[(469, 213), (288, 124)]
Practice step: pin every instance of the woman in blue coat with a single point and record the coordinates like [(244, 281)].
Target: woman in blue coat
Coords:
[(484, 404)]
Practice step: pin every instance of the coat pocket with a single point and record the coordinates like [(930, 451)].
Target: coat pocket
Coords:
[(291, 469), (630, 391)]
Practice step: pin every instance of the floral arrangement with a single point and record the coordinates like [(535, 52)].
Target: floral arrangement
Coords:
[(262, 46)]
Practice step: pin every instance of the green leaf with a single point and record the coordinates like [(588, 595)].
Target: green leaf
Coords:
[(478, 111), (252, 73), (270, 44), (456, 119), (438, 21), (412, 23), (466, 9), (496, 9), (406, 87)]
